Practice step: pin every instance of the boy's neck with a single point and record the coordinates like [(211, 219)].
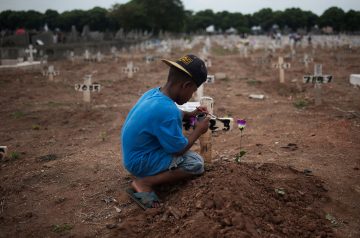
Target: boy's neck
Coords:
[(168, 91)]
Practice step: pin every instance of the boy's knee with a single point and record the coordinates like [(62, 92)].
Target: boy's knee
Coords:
[(198, 167)]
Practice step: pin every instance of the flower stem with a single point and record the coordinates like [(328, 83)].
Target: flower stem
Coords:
[(240, 139)]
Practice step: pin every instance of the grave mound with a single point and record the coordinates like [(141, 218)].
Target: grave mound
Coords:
[(236, 200)]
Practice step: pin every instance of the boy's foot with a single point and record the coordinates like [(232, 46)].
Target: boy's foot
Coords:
[(141, 187)]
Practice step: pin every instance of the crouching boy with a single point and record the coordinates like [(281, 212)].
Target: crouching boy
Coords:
[(154, 148)]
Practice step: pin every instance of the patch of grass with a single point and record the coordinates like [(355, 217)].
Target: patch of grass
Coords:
[(301, 103), (103, 136), (61, 228), (54, 104), (35, 127), (253, 82), (14, 155), (18, 114)]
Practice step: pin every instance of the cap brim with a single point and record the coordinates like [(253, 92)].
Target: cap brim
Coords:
[(172, 63)]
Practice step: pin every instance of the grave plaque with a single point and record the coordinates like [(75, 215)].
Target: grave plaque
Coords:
[(317, 79)]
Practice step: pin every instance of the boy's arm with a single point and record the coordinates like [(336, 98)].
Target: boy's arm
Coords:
[(200, 128)]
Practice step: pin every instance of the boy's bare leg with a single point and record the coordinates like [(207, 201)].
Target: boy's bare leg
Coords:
[(146, 184)]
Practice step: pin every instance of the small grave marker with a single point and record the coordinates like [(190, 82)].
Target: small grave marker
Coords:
[(51, 72), (72, 57), (130, 69), (3, 152), (99, 57), (207, 62), (87, 55), (149, 59), (307, 60), (87, 88), (282, 66), (31, 52), (355, 80), (317, 79)]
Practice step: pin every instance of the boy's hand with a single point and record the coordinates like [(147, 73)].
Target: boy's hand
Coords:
[(202, 126), (200, 110)]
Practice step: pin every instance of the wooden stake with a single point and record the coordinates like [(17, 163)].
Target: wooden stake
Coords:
[(205, 139), (282, 72)]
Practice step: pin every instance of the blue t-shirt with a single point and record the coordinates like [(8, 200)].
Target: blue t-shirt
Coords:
[(151, 134)]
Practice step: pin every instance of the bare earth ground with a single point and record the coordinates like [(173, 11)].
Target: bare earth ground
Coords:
[(65, 177)]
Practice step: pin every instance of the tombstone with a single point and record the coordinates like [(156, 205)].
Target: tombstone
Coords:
[(87, 88), (99, 57), (207, 62), (130, 69), (114, 53), (317, 79), (72, 56), (282, 66), (3, 152), (205, 139), (220, 76), (120, 34), (355, 80), (149, 59), (31, 52), (74, 35), (87, 55), (306, 60), (86, 33), (44, 59), (51, 72)]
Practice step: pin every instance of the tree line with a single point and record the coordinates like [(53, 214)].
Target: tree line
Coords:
[(171, 16)]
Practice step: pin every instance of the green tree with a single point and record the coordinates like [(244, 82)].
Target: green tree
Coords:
[(352, 21), (153, 15), (51, 18), (264, 18), (333, 17)]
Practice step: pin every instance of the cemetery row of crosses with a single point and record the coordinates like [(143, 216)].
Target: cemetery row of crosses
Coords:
[(99, 81)]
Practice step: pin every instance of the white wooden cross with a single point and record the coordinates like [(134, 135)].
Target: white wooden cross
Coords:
[(31, 52), (87, 55), (99, 57), (317, 79), (51, 72), (200, 90), (207, 62), (149, 59), (307, 60), (72, 57), (282, 66), (87, 88), (114, 53), (130, 69)]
